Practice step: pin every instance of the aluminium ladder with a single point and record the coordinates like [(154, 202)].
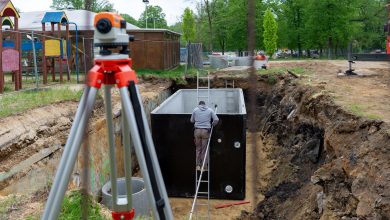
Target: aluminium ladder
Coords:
[(203, 94), (203, 91)]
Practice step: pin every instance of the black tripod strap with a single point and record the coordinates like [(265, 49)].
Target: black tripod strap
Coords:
[(160, 204)]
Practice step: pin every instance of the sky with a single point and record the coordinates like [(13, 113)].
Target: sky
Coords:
[(172, 8)]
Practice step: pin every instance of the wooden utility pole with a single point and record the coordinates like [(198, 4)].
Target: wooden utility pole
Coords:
[(252, 99)]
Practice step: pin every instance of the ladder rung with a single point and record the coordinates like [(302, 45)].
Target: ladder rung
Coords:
[(202, 204), (204, 181), (203, 193), (203, 87), (203, 77)]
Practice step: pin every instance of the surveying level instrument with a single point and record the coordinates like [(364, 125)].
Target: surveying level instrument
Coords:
[(113, 67)]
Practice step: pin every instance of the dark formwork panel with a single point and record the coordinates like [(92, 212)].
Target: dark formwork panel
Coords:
[(174, 142)]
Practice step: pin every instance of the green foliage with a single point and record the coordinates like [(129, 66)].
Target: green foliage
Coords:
[(177, 27), (228, 29), (291, 23), (302, 25), (5, 205), (63, 4), (156, 17), (72, 209), (188, 25), (176, 73), (94, 5), (330, 25), (130, 19), (21, 101), (361, 111), (282, 70), (270, 32)]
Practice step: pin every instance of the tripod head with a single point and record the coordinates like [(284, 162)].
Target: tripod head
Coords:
[(110, 34)]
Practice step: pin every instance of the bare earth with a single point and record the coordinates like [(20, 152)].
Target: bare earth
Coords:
[(370, 95)]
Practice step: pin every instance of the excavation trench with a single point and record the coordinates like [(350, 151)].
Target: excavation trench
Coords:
[(314, 160), (320, 162), (32, 143)]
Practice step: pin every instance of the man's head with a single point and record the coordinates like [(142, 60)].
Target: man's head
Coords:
[(202, 103)]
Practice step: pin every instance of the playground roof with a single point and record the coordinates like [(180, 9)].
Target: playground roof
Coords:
[(8, 9), (8, 22), (54, 17), (83, 19)]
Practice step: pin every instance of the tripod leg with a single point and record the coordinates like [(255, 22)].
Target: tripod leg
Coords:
[(150, 145), (111, 144), (52, 209), (65, 154), (127, 158), (135, 137)]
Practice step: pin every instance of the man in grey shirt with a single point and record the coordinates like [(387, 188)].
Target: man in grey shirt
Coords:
[(202, 116)]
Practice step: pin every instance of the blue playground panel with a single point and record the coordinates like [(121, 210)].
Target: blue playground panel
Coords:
[(27, 46), (9, 44)]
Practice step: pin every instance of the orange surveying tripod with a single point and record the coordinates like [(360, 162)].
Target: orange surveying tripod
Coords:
[(113, 69)]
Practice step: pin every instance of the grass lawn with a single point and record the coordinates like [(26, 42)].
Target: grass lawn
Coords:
[(360, 110), (175, 74), (17, 102), (281, 70), (71, 208), (273, 71)]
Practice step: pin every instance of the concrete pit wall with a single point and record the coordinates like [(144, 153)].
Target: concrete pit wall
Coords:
[(99, 150), (32, 144)]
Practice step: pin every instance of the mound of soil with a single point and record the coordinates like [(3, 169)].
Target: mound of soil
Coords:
[(329, 164)]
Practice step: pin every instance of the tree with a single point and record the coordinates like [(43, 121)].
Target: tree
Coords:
[(368, 32), (221, 18), (328, 24), (292, 20), (156, 17), (270, 32), (177, 27), (188, 25), (94, 5), (130, 19), (209, 6)]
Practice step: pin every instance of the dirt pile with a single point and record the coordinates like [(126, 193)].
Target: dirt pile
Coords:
[(23, 135), (327, 163)]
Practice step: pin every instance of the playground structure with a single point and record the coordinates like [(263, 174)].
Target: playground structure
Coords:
[(10, 50), (55, 49), (33, 53)]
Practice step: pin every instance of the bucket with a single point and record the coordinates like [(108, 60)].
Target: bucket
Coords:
[(139, 196)]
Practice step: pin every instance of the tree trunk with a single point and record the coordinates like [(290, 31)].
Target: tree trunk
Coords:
[(189, 58), (209, 17), (223, 47), (330, 48), (299, 34)]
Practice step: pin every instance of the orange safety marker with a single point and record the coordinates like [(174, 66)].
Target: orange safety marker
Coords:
[(231, 204)]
